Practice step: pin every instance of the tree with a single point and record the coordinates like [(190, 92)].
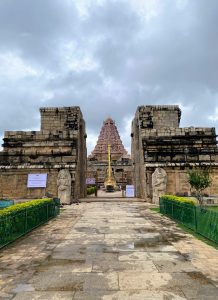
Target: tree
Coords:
[(199, 180)]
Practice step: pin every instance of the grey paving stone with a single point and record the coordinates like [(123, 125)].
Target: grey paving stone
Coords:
[(112, 251), (44, 296), (127, 295)]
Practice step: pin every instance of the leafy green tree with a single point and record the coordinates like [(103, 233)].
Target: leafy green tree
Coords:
[(199, 179)]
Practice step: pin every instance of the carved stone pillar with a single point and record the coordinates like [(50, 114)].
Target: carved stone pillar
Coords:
[(159, 184), (64, 186)]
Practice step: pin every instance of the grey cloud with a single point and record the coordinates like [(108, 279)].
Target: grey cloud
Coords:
[(36, 29), (113, 19), (172, 58), (79, 80)]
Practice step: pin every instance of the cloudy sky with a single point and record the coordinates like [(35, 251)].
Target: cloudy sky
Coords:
[(108, 57)]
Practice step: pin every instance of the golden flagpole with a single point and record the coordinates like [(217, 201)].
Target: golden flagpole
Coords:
[(109, 162)]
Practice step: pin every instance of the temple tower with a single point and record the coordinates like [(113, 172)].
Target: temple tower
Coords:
[(121, 164), (108, 135)]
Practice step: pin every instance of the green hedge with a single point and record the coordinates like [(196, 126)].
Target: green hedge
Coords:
[(187, 212), (184, 200), (21, 218), (179, 208), (12, 210), (91, 190)]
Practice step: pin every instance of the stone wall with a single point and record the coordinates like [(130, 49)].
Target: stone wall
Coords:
[(60, 119), (177, 183), (13, 183), (122, 171), (157, 141), (156, 116), (60, 144)]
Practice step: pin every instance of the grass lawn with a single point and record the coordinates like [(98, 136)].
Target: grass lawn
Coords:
[(157, 209), (214, 208)]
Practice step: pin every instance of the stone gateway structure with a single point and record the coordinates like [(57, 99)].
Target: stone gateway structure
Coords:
[(161, 154), (159, 142), (58, 149)]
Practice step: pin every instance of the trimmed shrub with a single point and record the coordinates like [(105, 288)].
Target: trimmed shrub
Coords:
[(187, 212), (21, 218), (12, 210), (179, 208), (91, 190), (184, 200)]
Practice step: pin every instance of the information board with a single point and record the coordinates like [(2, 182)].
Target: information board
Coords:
[(130, 191), (37, 180), (90, 180)]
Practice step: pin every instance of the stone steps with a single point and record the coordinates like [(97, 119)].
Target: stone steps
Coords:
[(110, 199)]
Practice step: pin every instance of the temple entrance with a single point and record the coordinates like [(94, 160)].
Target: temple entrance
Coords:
[(95, 183), (109, 166)]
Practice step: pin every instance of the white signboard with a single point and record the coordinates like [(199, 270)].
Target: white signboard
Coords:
[(37, 180), (130, 191), (90, 180)]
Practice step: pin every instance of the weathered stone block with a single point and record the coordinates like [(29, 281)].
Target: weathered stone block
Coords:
[(42, 151), (166, 145)]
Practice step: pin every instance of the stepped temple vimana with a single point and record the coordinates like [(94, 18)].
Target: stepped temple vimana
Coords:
[(121, 163), (161, 154)]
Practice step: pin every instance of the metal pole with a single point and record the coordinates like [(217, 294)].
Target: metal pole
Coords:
[(109, 161), (122, 186), (195, 217), (25, 220), (96, 183)]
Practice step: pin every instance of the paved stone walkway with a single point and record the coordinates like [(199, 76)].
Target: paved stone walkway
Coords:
[(108, 251)]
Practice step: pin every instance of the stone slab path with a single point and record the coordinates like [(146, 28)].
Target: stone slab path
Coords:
[(109, 250)]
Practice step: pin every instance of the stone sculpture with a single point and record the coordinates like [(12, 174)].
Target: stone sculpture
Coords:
[(159, 184), (64, 186)]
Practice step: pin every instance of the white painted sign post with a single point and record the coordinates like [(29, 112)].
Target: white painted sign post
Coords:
[(130, 191), (37, 180), (90, 180)]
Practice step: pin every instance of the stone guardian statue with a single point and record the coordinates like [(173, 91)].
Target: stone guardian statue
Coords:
[(64, 186), (159, 184)]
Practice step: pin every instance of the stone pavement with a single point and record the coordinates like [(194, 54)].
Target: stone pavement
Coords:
[(110, 251)]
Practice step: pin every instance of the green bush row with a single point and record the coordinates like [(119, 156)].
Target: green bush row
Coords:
[(184, 200), (14, 209), (178, 208), (21, 218), (91, 190)]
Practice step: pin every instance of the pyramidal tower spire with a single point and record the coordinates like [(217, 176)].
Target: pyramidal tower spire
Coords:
[(108, 135)]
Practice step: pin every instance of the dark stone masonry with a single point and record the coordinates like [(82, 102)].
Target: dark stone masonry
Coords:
[(60, 144), (159, 142), (160, 148)]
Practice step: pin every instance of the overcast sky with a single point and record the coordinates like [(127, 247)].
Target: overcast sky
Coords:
[(108, 57)]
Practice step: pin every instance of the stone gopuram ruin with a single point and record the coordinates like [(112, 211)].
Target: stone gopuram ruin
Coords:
[(162, 152), (58, 150)]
